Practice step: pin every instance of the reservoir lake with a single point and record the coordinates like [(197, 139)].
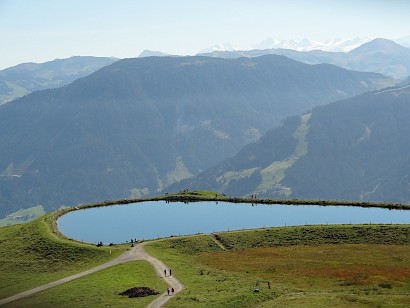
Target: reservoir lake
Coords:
[(156, 219)]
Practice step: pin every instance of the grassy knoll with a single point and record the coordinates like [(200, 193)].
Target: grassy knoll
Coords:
[(368, 266), (316, 235), (31, 255), (305, 266), (100, 289)]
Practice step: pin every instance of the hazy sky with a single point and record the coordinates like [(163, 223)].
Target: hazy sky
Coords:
[(43, 30)]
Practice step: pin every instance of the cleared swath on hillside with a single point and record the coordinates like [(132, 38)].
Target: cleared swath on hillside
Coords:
[(138, 125), (353, 149), (359, 150)]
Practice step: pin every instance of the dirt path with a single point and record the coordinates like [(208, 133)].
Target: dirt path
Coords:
[(135, 253), (170, 280), (218, 242)]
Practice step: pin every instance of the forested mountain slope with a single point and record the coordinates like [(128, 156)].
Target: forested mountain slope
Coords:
[(356, 149), (138, 125)]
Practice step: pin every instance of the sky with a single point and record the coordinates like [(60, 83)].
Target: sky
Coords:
[(44, 30)]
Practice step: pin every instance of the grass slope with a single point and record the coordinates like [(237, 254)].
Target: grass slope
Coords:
[(100, 289), (205, 286), (23, 215), (305, 266), (317, 235), (30, 255), (275, 172)]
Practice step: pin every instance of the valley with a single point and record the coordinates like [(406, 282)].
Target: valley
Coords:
[(136, 127), (140, 167)]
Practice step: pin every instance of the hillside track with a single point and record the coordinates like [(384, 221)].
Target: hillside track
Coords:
[(218, 242), (136, 253)]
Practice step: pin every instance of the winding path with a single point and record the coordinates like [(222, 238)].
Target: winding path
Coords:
[(135, 253)]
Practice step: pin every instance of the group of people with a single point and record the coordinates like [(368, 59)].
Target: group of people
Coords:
[(165, 272), (169, 291)]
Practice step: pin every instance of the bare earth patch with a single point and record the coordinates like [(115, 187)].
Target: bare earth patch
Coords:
[(139, 292)]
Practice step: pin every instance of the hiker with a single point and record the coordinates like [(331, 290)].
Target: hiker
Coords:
[(170, 272), (172, 290), (168, 291), (165, 272)]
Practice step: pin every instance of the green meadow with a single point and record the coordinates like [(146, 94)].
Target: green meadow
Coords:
[(304, 266), (31, 254), (312, 266), (100, 289)]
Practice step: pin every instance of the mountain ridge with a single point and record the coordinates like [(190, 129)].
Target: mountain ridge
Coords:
[(136, 126), (25, 78), (335, 45), (348, 150), (379, 55)]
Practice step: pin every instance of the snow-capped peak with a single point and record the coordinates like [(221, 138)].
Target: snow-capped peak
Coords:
[(220, 47), (341, 45)]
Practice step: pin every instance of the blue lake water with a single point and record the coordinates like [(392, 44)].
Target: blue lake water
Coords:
[(154, 219)]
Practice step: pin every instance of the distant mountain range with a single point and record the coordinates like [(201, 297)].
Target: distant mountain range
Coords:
[(25, 78), (404, 41), (153, 53), (138, 125), (336, 45), (354, 149), (379, 55)]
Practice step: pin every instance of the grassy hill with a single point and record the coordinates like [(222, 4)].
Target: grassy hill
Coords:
[(100, 289), (308, 265), (31, 255)]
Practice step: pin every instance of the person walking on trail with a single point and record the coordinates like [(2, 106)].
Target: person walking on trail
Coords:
[(170, 272), (165, 272), (172, 290), (168, 291)]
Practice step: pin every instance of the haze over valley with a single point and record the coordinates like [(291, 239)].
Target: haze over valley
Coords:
[(237, 122), (204, 153), (138, 125), (252, 116)]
